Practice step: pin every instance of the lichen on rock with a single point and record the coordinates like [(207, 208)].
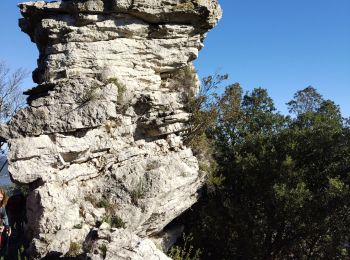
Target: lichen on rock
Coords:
[(101, 141)]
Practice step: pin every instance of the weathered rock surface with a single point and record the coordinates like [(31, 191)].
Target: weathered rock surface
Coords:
[(122, 244), (101, 140)]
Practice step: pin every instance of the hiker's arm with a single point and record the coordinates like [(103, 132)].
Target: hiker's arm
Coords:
[(2, 219), (5, 221)]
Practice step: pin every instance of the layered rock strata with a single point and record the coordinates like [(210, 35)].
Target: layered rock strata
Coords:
[(101, 141)]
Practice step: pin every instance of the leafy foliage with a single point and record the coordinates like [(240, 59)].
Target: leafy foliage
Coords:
[(103, 249), (286, 189), (74, 249), (186, 252), (138, 192), (114, 221), (120, 86), (204, 110)]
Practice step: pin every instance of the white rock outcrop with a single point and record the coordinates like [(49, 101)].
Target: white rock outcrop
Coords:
[(101, 141)]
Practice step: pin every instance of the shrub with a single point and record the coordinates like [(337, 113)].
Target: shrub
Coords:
[(183, 80), (204, 109), (120, 86), (138, 192), (184, 252), (103, 249), (103, 202), (114, 221), (187, 6), (89, 95), (74, 249)]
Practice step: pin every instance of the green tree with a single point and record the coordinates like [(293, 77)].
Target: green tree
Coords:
[(306, 100), (286, 188)]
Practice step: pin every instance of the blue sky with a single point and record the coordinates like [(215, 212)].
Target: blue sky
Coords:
[(281, 45)]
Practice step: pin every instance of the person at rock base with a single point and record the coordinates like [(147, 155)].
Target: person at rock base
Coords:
[(14, 245), (15, 209), (5, 230)]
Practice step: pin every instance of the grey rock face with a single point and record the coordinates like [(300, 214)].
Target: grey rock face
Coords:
[(101, 140)]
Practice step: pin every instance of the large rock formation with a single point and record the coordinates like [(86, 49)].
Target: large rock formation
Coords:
[(101, 140)]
